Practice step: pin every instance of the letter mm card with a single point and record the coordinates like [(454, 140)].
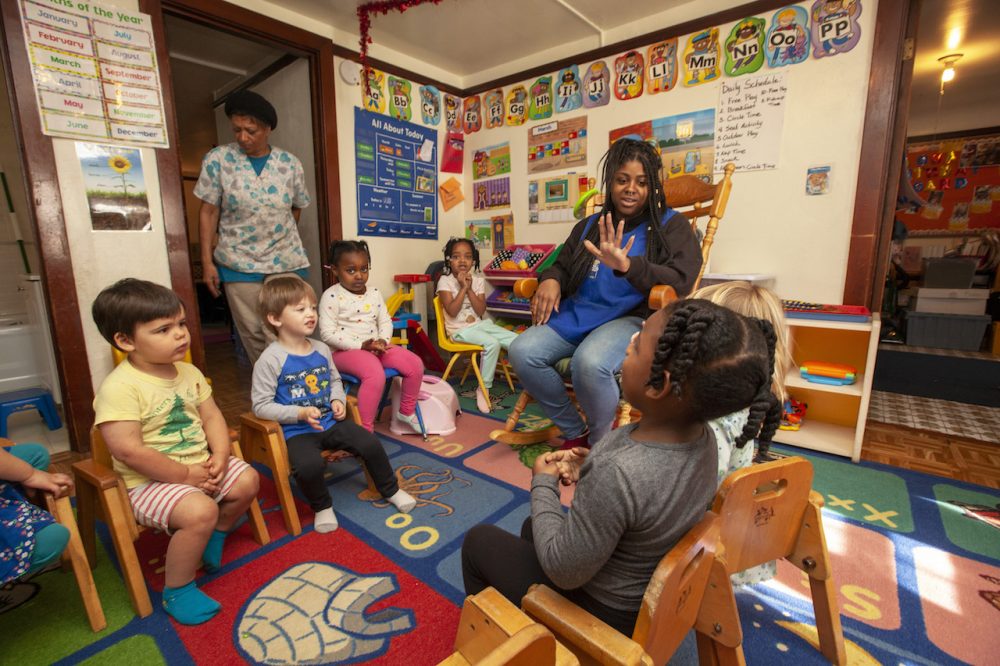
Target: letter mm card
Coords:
[(701, 58)]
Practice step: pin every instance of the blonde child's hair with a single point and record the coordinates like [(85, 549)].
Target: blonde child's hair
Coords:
[(278, 293), (752, 300)]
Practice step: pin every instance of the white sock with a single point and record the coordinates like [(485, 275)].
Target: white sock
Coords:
[(403, 501), (325, 521)]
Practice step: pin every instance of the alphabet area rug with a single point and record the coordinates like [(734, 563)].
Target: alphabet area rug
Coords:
[(916, 562)]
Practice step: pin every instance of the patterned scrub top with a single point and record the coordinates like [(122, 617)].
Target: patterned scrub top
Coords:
[(257, 232), (19, 522)]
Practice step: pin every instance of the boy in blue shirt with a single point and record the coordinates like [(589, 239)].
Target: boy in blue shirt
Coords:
[(296, 384)]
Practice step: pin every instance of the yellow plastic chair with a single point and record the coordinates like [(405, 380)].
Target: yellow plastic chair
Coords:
[(457, 349)]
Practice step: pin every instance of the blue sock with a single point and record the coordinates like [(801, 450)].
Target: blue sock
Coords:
[(189, 605), (212, 557)]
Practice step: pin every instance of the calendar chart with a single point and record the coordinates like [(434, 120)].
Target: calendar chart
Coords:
[(396, 164)]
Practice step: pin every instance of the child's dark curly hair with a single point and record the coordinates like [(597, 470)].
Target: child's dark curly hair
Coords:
[(339, 248), (723, 361), (450, 246), (621, 152)]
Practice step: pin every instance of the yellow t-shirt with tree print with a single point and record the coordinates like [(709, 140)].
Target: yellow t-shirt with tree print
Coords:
[(166, 409)]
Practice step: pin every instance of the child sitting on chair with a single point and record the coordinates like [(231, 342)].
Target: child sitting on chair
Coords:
[(355, 322), (30, 539), (296, 384), (168, 439), (463, 300), (644, 485)]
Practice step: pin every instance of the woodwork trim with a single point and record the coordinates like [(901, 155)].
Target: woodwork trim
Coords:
[(264, 74), (45, 208), (958, 134), (168, 170), (882, 141)]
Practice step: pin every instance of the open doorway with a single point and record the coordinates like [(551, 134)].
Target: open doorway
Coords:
[(207, 66)]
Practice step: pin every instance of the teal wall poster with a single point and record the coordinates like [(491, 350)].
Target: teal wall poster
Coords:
[(396, 165)]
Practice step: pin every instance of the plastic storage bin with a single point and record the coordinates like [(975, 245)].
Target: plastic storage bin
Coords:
[(946, 331), (952, 301), (949, 273)]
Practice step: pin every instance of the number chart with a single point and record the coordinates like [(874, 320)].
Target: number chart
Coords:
[(397, 177)]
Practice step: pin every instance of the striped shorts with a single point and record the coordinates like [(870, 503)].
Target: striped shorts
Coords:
[(153, 502)]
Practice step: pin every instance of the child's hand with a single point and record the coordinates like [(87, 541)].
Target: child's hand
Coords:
[(370, 346), (543, 466), (217, 466), (339, 410), (199, 476), (568, 463), (465, 280), (311, 415), (57, 484), (379, 346)]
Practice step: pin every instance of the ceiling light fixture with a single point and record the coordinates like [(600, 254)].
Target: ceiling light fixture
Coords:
[(948, 73)]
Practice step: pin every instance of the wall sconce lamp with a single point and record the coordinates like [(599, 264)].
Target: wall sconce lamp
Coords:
[(948, 73)]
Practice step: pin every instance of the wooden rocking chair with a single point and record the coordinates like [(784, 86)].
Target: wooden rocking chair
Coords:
[(688, 195)]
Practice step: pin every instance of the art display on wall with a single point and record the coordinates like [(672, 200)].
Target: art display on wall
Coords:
[(430, 105), (399, 99), (596, 85), (745, 47), (559, 144), (701, 58), (661, 73), (491, 194), (960, 181), (686, 141), (835, 28), (480, 232), (373, 94), (491, 161), (788, 37), (116, 190), (552, 199), (569, 96)]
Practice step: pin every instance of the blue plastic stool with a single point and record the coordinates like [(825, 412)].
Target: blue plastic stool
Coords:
[(32, 398), (390, 373)]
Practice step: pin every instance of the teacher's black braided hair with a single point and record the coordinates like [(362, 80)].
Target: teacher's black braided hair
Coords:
[(724, 362), (621, 152)]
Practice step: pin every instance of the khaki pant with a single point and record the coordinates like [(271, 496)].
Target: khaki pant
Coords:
[(244, 299)]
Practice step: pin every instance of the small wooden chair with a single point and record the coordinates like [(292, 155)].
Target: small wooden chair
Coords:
[(264, 442), (101, 490), (694, 199), (457, 349), (768, 512), (669, 607), (494, 631), (75, 559)]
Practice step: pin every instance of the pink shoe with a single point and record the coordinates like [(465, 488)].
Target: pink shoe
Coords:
[(483, 401), (573, 442)]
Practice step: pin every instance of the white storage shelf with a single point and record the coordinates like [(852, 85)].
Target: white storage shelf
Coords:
[(837, 415)]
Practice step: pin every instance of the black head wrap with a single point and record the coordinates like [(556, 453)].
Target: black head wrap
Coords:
[(248, 103)]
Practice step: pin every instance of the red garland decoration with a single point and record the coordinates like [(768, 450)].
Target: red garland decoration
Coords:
[(365, 23)]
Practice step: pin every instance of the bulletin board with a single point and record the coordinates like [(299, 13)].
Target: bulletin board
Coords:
[(396, 166), (959, 179)]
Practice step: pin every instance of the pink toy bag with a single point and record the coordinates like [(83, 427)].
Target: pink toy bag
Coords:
[(438, 407)]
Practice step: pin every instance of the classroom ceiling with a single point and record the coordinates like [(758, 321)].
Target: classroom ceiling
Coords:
[(466, 37), (974, 28)]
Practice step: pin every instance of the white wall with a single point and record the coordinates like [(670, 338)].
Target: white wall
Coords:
[(771, 226), (288, 92)]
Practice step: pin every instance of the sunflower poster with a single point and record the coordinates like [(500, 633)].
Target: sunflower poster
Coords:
[(116, 190)]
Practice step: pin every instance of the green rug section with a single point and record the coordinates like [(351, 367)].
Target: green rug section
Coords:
[(963, 529), (57, 605), (503, 399), (867, 496), (133, 650)]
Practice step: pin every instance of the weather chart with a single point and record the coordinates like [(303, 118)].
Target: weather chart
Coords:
[(396, 165)]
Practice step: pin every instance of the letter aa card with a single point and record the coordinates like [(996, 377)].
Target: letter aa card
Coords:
[(373, 93)]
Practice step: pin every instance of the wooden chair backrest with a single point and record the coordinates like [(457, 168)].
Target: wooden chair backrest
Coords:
[(761, 509), (696, 199), (673, 596), (493, 630), (99, 449)]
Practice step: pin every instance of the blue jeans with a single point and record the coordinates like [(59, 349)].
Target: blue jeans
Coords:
[(595, 362)]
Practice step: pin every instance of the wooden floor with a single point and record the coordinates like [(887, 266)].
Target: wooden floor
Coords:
[(944, 455)]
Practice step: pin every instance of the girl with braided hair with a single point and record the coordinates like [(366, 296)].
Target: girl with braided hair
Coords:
[(593, 298), (646, 484)]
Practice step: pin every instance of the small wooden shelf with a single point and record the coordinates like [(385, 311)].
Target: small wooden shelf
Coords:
[(820, 436)]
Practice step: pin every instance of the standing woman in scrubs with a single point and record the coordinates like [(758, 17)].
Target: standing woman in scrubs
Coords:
[(252, 194)]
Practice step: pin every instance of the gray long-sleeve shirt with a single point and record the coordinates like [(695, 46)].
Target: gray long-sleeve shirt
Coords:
[(633, 502)]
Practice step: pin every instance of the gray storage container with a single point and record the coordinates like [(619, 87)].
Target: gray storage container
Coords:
[(949, 272), (946, 331)]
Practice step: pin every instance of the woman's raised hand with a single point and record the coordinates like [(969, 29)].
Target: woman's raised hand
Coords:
[(545, 300), (611, 253)]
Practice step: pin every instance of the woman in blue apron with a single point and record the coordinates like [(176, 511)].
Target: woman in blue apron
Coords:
[(592, 300)]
